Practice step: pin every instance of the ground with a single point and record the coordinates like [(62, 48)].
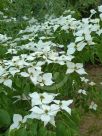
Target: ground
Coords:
[(91, 124)]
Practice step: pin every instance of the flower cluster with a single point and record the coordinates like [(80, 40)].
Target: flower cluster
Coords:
[(45, 50), (44, 107), (34, 49)]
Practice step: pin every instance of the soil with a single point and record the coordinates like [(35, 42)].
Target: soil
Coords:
[(91, 125), (95, 72)]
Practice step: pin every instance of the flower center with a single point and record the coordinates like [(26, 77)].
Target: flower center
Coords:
[(42, 97), (31, 74), (46, 111)]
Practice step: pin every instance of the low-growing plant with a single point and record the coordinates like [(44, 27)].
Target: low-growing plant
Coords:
[(44, 87)]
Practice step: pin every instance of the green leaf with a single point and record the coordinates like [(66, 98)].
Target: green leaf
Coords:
[(99, 51), (42, 131), (4, 119), (22, 132), (61, 129)]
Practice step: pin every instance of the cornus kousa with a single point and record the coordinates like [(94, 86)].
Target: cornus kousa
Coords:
[(93, 106), (6, 80), (72, 47), (44, 108), (37, 76), (63, 105), (42, 98), (46, 113), (72, 67), (17, 119), (81, 91), (33, 56), (85, 80)]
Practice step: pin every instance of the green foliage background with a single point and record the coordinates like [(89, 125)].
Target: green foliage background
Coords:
[(38, 8)]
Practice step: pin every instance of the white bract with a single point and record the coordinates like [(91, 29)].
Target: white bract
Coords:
[(11, 51), (44, 108), (17, 119), (46, 113), (81, 91), (85, 80), (79, 46), (3, 38), (93, 12), (92, 83), (45, 79), (6, 80), (100, 8), (93, 106), (72, 67), (63, 105), (41, 98)]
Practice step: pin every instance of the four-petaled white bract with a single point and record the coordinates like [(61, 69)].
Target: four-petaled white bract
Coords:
[(41, 98), (46, 113), (44, 107), (63, 105), (93, 106), (81, 91), (72, 67)]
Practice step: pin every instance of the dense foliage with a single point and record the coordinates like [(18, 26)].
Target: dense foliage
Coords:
[(44, 48)]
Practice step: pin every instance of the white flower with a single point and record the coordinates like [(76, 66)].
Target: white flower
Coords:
[(5, 80), (93, 106), (78, 67), (17, 118), (13, 70), (92, 83), (83, 79), (42, 109), (100, 8), (93, 11), (3, 38), (17, 62), (45, 79), (34, 74), (46, 113), (81, 91), (64, 105), (11, 51), (41, 98), (80, 45)]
